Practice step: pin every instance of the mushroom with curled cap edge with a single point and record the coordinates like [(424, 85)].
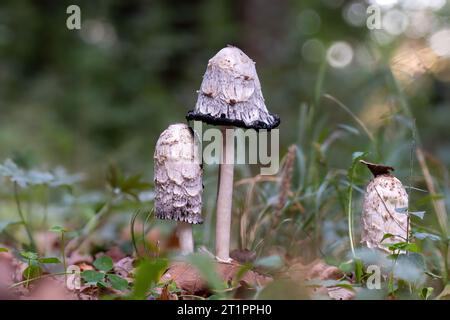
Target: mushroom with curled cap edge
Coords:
[(385, 209), (230, 96), (178, 182)]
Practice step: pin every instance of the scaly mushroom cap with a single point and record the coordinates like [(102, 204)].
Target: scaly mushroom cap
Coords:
[(230, 93), (178, 176), (384, 201)]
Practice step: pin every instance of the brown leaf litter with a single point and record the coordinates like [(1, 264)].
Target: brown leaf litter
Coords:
[(188, 278), (319, 270)]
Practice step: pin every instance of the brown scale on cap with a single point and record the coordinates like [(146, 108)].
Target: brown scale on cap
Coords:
[(377, 169)]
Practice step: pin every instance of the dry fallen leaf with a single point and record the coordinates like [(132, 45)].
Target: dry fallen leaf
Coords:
[(319, 270), (115, 253), (6, 269), (186, 277), (243, 256), (51, 288), (338, 293), (314, 270), (84, 266), (88, 292), (124, 267), (189, 279)]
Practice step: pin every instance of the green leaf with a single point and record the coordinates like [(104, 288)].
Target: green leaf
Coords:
[(359, 270), (102, 284), (356, 157), (173, 287), (401, 210), (104, 263), (49, 260), (386, 236), (271, 262), (425, 293), (350, 129), (3, 249), (14, 173), (134, 183), (35, 177), (91, 276), (347, 267), (5, 224), (24, 178), (411, 247), (428, 199), (240, 273), (114, 176), (31, 272), (329, 283), (29, 255), (148, 274), (345, 285), (393, 256), (117, 282), (207, 268), (397, 246), (418, 214), (58, 229), (62, 178), (424, 235)]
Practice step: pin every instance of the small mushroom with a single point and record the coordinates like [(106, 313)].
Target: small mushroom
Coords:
[(230, 96), (178, 182), (384, 209)]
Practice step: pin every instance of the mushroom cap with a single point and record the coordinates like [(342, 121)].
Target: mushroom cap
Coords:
[(384, 196), (178, 176), (230, 93)]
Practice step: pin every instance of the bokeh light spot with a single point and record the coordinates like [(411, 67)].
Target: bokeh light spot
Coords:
[(340, 54)]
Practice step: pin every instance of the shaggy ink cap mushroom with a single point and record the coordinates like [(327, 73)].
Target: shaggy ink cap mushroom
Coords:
[(230, 96), (178, 176), (385, 208), (230, 93)]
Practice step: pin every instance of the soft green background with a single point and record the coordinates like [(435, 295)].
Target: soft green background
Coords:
[(84, 98)]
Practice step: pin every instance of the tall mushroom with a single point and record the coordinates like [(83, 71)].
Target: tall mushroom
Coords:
[(384, 209), (178, 182), (230, 96)]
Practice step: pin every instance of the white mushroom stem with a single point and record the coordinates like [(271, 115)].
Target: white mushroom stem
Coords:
[(184, 233), (225, 198)]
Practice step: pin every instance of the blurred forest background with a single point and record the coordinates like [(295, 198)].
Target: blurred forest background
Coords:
[(83, 99), (105, 92)]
